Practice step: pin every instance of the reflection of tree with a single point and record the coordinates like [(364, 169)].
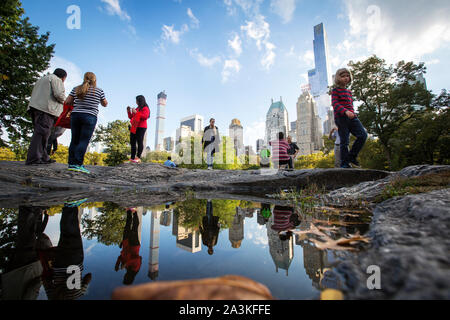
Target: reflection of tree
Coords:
[(107, 226), (8, 231), (191, 212)]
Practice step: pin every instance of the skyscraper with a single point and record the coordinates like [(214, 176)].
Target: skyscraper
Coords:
[(153, 262), (195, 122), (277, 120), (160, 119), (309, 128), (320, 77)]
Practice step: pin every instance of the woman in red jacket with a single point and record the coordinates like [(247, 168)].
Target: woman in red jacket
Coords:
[(138, 127)]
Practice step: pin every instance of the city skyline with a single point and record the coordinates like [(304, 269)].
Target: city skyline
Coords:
[(226, 59)]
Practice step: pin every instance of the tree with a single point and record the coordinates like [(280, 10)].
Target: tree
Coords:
[(116, 138), (391, 96), (24, 55)]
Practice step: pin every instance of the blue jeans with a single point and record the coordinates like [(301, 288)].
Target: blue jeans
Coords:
[(355, 127), (82, 126)]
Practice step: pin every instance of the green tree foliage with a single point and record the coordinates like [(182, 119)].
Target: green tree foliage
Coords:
[(390, 95), (107, 226), (24, 55), (8, 233), (315, 160), (116, 138)]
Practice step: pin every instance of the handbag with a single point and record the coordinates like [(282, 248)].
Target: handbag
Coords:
[(64, 119)]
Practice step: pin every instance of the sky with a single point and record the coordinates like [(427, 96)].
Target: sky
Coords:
[(228, 58)]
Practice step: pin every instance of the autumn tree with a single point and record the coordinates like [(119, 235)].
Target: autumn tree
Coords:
[(24, 55)]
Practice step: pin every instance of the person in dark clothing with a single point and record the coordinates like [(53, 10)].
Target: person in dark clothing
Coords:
[(53, 139), (129, 257), (59, 261), (210, 228), (292, 151), (211, 142)]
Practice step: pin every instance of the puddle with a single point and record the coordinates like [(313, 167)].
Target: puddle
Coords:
[(115, 246)]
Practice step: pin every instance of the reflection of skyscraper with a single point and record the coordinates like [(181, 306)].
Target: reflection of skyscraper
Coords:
[(315, 262), (236, 231), (166, 218), (160, 119), (153, 264), (187, 238), (282, 252)]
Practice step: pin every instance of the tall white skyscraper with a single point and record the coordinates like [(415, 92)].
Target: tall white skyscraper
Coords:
[(160, 119), (320, 77), (153, 262), (277, 120)]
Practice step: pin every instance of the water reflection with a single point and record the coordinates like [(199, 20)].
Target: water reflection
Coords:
[(30, 263)]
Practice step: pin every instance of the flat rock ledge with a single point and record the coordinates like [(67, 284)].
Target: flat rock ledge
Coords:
[(147, 183)]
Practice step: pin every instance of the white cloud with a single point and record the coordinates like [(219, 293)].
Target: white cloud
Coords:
[(202, 60), (74, 73), (401, 29), (172, 35), (113, 8), (195, 23), (259, 31), (230, 68), (308, 58), (284, 8), (236, 45)]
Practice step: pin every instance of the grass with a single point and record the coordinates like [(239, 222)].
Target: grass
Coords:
[(415, 185), (305, 199)]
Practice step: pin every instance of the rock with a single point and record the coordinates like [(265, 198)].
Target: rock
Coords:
[(410, 244)]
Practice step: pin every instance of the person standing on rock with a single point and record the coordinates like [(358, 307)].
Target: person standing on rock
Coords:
[(293, 151), (138, 117), (211, 142), (346, 119), (46, 105), (85, 100)]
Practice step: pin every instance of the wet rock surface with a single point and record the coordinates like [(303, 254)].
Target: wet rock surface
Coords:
[(146, 183), (410, 243)]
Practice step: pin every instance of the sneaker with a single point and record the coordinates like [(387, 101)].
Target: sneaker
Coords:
[(73, 167), (210, 168), (84, 170), (137, 160), (345, 166), (76, 203), (355, 163)]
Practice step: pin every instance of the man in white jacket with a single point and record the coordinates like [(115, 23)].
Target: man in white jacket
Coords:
[(46, 105)]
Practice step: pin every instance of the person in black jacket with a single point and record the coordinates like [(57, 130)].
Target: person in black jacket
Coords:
[(211, 142), (210, 228)]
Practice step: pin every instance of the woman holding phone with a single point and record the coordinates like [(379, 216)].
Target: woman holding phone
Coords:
[(138, 117)]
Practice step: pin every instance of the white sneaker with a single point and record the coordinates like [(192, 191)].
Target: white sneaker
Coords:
[(210, 168)]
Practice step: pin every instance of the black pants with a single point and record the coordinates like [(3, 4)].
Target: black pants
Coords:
[(70, 245), (132, 229), (42, 124), (137, 139)]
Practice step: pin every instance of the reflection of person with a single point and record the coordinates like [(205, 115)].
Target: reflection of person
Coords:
[(280, 149), (346, 119), (23, 272), (138, 117), (293, 151), (68, 253), (129, 257), (210, 228), (46, 105), (334, 135), (211, 142), (85, 100), (282, 219), (53, 139)]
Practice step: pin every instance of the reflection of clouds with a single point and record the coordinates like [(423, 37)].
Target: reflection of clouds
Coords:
[(89, 249), (257, 234)]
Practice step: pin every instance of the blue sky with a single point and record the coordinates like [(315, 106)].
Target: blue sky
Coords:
[(228, 58)]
